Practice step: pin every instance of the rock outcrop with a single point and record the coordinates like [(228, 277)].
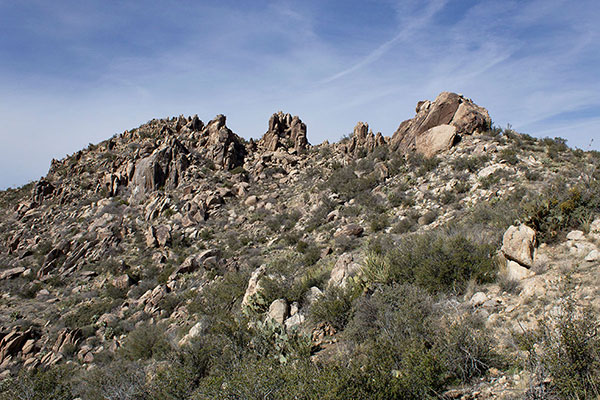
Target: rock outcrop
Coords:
[(162, 168), (285, 132), (448, 110), (218, 143), (364, 141)]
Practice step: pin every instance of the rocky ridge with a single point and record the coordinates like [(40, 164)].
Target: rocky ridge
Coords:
[(149, 227)]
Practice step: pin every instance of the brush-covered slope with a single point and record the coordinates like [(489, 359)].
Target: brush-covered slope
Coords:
[(179, 261)]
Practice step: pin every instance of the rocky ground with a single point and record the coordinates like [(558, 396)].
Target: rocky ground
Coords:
[(177, 223)]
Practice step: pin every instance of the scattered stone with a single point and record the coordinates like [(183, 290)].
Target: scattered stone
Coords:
[(593, 255), (576, 235), (478, 299), (11, 273), (350, 230), (344, 269), (516, 271)]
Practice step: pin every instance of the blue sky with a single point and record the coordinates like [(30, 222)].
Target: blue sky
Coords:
[(75, 72)]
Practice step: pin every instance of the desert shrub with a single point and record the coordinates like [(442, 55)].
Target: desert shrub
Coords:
[(400, 331), (186, 368), (51, 384), (345, 243), (88, 313), (218, 298), (555, 147), (378, 221), (462, 186), (447, 198), (404, 225), (347, 184), (319, 217), (566, 349), (507, 285), (509, 155), (146, 341), (114, 292), (436, 262), (469, 163), (282, 222), (401, 198), (561, 210), (468, 348), (118, 380), (310, 252), (335, 306)]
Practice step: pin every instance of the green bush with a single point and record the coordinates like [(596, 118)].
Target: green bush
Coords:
[(566, 350), (436, 262), (144, 342), (51, 384), (347, 184), (554, 214), (399, 331), (335, 306), (469, 163), (509, 155)]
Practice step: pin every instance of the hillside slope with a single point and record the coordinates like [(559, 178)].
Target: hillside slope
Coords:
[(178, 260)]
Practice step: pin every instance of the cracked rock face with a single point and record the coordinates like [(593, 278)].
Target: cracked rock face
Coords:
[(285, 132), (448, 109), (218, 143)]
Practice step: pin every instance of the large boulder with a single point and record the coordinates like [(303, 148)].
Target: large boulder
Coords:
[(285, 132), (435, 140), (447, 109), (253, 285), (518, 245), (364, 141)]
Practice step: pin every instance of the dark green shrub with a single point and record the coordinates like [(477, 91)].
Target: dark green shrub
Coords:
[(51, 384), (144, 342), (335, 306), (347, 184), (509, 155), (435, 262), (555, 214), (569, 354), (378, 222), (118, 380), (399, 332), (88, 313), (469, 163)]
